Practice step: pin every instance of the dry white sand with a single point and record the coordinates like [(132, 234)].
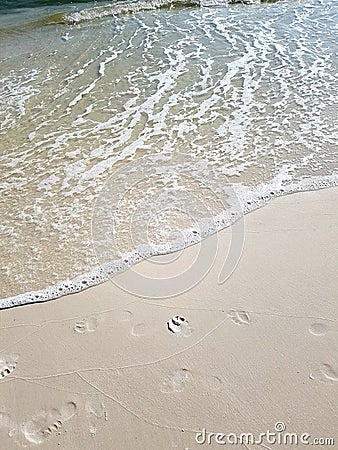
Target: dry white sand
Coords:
[(100, 370)]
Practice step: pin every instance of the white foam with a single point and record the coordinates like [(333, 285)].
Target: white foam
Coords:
[(250, 199), (208, 82)]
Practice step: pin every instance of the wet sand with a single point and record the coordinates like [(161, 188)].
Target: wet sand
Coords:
[(101, 370)]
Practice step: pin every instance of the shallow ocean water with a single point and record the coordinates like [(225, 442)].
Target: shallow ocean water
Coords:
[(247, 93)]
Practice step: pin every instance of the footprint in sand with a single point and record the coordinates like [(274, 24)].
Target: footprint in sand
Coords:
[(239, 317), (45, 424), (5, 421), (179, 326), (325, 374), (322, 328), (87, 325), (95, 409), (124, 316), (92, 430), (7, 364), (318, 329), (176, 382), (139, 329), (329, 373), (213, 383)]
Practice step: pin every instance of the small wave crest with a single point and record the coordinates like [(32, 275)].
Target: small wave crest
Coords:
[(137, 6), (131, 7), (100, 12)]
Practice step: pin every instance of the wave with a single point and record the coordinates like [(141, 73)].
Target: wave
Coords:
[(250, 199), (130, 7), (137, 6), (9, 5), (246, 94), (99, 12)]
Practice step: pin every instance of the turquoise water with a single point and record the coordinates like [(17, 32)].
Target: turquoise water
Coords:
[(246, 91), (7, 5)]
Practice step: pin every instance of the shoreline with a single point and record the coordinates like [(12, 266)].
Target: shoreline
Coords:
[(256, 350), (97, 275)]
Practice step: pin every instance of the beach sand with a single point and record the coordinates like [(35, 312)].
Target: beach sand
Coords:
[(101, 370)]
